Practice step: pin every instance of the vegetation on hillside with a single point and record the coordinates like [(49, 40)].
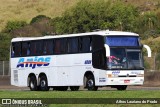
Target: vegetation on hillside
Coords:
[(27, 9), (87, 15)]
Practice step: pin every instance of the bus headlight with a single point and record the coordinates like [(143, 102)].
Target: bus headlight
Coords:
[(112, 75), (109, 75)]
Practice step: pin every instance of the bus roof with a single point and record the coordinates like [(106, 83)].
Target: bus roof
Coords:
[(103, 33)]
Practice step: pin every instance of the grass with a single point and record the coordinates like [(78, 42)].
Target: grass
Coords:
[(86, 94), (27, 9), (81, 94)]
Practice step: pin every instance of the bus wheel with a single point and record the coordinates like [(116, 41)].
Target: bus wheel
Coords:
[(33, 83), (74, 88), (122, 87), (43, 83), (91, 83)]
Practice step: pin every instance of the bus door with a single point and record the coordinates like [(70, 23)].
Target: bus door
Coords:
[(99, 58)]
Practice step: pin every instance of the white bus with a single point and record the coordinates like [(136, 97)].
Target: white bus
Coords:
[(93, 59)]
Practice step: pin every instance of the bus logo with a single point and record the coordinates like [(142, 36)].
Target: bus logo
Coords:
[(87, 62), (115, 72), (33, 62)]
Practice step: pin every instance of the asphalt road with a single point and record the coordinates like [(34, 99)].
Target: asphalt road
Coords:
[(5, 85)]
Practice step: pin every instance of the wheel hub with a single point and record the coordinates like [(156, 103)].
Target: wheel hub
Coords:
[(90, 83), (43, 83), (32, 85)]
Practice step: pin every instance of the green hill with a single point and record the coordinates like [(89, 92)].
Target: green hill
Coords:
[(27, 9)]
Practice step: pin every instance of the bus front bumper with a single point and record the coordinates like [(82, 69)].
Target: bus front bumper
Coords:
[(125, 81)]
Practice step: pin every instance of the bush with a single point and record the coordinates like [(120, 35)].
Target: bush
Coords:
[(4, 47), (38, 18), (147, 25), (158, 62), (39, 28), (146, 65), (12, 25)]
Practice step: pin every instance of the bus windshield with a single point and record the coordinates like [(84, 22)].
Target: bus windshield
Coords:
[(122, 58)]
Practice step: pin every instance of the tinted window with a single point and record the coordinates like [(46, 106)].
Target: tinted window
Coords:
[(16, 49), (72, 45), (63, 46), (36, 47), (25, 48), (122, 40), (57, 46), (134, 59), (85, 44), (60, 46), (48, 47), (97, 42), (98, 53)]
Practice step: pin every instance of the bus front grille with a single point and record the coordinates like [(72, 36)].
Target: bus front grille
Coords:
[(127, 76)]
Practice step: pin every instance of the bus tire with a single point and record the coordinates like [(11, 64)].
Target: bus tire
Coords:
[(43, 83), (74, 88), (33, 83), (122, 87), (91, 83)]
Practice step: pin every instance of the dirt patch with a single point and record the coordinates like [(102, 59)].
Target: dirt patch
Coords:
[(4, 81), (5, 84), (152, 79)]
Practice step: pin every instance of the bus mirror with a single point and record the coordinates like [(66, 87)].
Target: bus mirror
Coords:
[(107, 50), (148, 50)]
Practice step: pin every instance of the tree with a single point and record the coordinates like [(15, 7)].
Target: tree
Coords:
[(4, 47), (91, 15), (147, 25), (38, 18)]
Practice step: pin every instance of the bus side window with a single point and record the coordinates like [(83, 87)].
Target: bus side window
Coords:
[(63, 46), (33, 48), (57, 46), (39, 44), (16, 52), (28, 49), (25, 48), (72, 45), (90, 43), (48, 47), (45, 47), (85, 44), (12, 50)]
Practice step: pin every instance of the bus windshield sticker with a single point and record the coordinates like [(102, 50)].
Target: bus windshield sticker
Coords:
[(115, 72)]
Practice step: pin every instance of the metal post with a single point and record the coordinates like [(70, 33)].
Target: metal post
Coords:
[(3, 67), (155, 62), (9, 74)]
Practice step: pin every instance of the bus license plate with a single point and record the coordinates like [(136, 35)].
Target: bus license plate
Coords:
[(126, 81)]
